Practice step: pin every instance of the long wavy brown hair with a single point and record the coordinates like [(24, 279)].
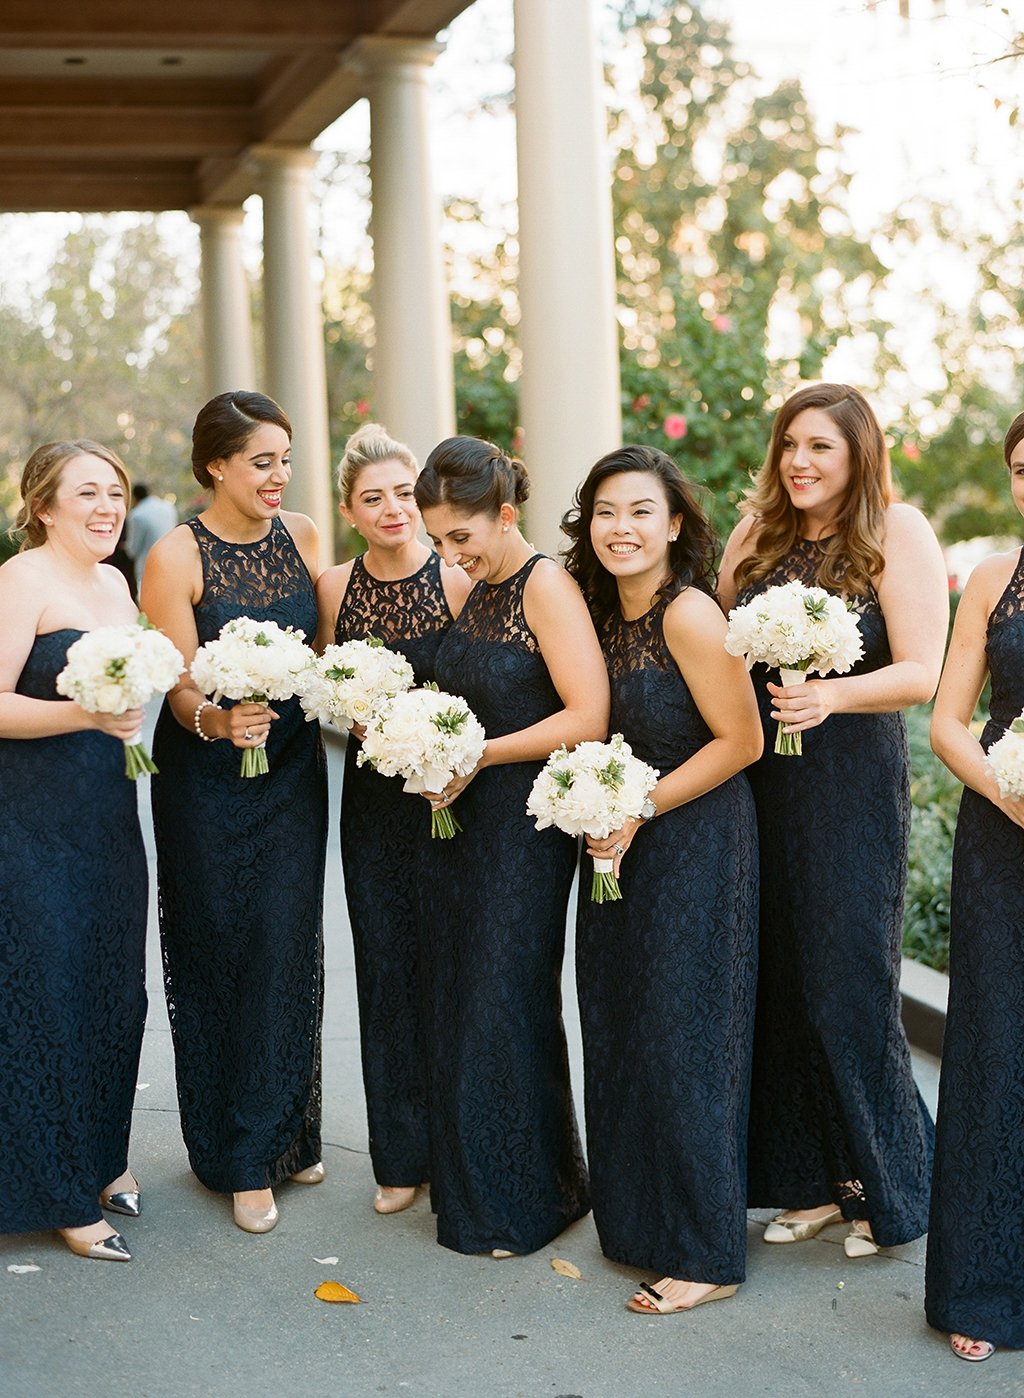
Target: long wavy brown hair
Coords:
[(852, 558)]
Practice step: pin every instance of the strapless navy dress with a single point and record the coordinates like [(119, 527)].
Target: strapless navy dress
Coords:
[(974, 1275), (667, 981), (385, 844), (240, 864), (835, 1113), (506, 1163), (72, 979)]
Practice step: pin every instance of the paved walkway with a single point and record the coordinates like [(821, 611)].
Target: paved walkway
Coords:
[(205, 1309)]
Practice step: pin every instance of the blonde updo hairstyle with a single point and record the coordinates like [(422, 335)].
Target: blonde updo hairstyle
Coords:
[(40, 481), (852, 557), (366, 447)]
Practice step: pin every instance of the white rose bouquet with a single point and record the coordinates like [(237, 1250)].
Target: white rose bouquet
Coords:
[(592, 791), (799, 629), (116, 668), (1005, 760), (252, 662), (427, 737), (352, 682)]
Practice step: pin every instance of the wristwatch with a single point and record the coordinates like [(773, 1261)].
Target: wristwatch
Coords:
[(648, 810)]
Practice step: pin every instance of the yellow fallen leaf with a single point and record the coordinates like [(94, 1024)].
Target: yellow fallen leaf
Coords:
[(566, 1269), (334, 1291)]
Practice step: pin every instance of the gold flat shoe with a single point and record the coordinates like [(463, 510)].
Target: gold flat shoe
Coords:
[(312, 1174), (647, 1301), (254, 1220), (859, 1242), (784, 1230)]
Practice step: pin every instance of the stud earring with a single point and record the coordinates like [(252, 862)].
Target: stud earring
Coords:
[(504, 528), (218, 478), (47, 519), (672, 538)]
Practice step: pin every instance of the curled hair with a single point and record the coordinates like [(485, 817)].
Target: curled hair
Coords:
[(472, 476), (691, 556), (365, 447), (226, 423), (1014, 435), (41, 478), (852, 557)]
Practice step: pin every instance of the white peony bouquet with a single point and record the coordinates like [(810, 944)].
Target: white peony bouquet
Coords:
[(592, 791), (351, 683), (1005, 760), (798, 629), (427, 737), (252, 662), (116, 668)]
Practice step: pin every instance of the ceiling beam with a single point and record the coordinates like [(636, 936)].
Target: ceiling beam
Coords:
[(143, 188)]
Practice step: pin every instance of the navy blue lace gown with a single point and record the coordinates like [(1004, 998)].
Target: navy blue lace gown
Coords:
[(974, 1276), (72, 946), (385, 842), (667, 981), (240, 864), (835, 1113), (506, 1164)]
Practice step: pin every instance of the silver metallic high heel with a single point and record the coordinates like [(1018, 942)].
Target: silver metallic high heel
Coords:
[(112, 1249), (123, 1201)]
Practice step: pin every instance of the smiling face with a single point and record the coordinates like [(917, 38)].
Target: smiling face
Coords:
[(252, 481), (383, 506), (478, 543), (631, 528), (814, 465), (87, 511)]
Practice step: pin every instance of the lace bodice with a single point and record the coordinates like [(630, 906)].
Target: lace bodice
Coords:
[(266, 579), (409, 614), (1005, 650), (491, 657), (801, 565), (651, 703)]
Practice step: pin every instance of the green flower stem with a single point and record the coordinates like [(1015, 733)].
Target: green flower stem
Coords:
[(788, 744), (137, 762), (605, 886), (443, 825), (254, 762)]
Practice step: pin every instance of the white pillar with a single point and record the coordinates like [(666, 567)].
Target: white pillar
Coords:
[(296, 371), (568, 334), (414, 388), (227, 319)]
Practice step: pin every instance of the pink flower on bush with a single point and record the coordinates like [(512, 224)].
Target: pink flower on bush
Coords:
[(518, 438), (723, 324), (675, 427), (911, 451), (362, 407), (644, 401)]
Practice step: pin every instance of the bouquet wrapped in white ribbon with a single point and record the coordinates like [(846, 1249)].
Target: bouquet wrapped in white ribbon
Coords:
[(428, 737), (798, 629), (1005, 760), (116, 668), (253, 662), (352, 682), (592, 791)]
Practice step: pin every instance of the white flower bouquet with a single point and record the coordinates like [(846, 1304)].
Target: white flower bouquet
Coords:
[(798, 629), (252, 662), (427, 737), (592, 791), (116, 668), (1005, 760), (352, 682)]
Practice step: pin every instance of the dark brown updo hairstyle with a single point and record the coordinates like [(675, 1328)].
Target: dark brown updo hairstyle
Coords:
[(1014, 434), (472, 476), (691, 556), (852, 558), (226, 423), (40, 481)]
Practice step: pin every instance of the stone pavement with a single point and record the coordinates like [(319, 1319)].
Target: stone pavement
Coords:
[(207, 1310)]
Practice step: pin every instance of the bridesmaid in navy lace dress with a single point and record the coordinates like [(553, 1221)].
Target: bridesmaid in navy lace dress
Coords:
[(507, 1171), (837, 1127), (240, 861), (974, 1277), (667, 1147), (72, 868), (400, 592)]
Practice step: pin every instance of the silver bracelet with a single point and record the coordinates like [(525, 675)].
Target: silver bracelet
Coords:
[(197, 720)]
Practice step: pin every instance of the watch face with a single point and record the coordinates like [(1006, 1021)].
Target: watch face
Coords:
[(648, 810)]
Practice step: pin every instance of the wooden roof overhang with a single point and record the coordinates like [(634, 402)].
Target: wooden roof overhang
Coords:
[(155, 104)]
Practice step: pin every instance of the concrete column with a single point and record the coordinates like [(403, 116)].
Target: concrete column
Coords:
[(296, 371), (414, 388), (568, 334), (227, 319)]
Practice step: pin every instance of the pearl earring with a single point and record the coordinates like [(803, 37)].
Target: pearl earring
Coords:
[(504, 528), (672, 538), (47, 519), (218, 478)]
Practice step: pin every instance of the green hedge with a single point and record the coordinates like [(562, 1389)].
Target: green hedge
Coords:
[(935, 796)]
